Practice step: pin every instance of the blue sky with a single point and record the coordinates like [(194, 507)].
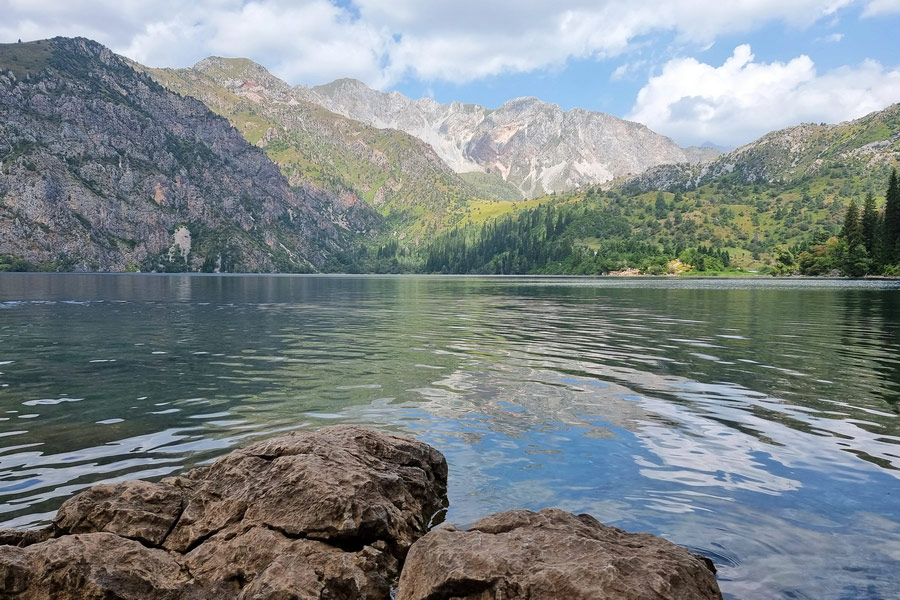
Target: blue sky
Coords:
[(588, 83), (696, 70)]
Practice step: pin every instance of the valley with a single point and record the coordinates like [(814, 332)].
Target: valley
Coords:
[(344, 178)]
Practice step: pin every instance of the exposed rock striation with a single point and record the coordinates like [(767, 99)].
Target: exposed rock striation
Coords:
[(552, 554), (867, 144), (325, 515)]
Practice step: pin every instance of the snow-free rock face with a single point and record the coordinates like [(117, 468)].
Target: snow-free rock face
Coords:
[(534, 145), (552, 554), (324, 515), (101, 169)]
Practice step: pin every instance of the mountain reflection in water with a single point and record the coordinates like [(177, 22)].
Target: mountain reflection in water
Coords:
[(755, 421)]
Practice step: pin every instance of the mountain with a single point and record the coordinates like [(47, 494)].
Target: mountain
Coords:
[(851, 149), (399, 175), (102, 169), (783, 195), (534, 145)]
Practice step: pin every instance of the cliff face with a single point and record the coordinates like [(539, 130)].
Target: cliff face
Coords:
[(399, 176), (534, 145), (103, 169)]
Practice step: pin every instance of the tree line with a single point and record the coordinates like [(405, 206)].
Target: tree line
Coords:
[(868, 244), (574, 239)]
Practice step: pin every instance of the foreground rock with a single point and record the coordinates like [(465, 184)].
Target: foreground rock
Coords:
[(324, 515), (329, 515), (551, 554)]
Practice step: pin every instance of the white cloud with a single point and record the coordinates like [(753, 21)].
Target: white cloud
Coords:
[(881, 7), (742, 99), (627, 70), (384, 41), (833, 38)]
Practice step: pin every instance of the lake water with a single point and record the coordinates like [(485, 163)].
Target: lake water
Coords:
[(754, 421)]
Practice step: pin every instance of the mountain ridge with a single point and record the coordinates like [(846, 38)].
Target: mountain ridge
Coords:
[(398, 175), (104, 170), (535, 145), (868, 143)]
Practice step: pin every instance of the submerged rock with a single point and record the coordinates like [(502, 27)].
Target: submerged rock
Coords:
[(329, 514), (551, 554)]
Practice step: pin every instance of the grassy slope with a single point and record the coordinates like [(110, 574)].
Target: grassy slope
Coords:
[(26, 58), (390, 170)]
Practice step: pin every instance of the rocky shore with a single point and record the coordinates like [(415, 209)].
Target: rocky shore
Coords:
[(342, 513)]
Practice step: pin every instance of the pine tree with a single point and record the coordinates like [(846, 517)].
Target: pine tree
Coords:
[(661, 209), (852, 232), (869, 223), (891, 229)]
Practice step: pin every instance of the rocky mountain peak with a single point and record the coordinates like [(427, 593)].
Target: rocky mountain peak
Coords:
[(532, 144)]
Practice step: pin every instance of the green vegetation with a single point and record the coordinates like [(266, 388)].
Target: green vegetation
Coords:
[(587, 238), (10, 263), (396, 174), (868, 244), (25, 59), (492, 187)]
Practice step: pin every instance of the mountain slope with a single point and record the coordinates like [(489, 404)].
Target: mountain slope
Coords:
[(399, 175), (534, 145), (787, 191), (808, 151), (103, 169)]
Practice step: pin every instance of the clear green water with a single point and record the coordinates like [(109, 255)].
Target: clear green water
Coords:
[(755, 421)]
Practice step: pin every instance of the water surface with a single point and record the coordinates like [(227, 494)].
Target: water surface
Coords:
[(754, 421)]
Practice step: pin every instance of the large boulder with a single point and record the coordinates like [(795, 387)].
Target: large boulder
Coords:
[(329, 514), (551, 554), (344, 485)]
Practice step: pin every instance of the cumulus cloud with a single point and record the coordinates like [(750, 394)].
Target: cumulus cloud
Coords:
[(740, 100), (385, 41)]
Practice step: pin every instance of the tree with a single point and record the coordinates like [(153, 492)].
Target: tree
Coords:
[(662, 210), (852, 232), (785, 264), (891, 228), (869, 223)]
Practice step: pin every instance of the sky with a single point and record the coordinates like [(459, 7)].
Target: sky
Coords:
[(722, 72)]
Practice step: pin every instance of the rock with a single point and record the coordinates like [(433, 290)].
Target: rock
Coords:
[(93, 565), (328, 514), (331, 514), (24, 537), (533, 145), (551, 554), (138, 510), (345, 485), (275, 566)]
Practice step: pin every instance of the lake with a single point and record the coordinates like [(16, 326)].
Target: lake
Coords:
[(755, 421)]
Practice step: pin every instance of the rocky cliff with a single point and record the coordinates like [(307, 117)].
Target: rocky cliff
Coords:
[(534, 145), (103, 169)]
